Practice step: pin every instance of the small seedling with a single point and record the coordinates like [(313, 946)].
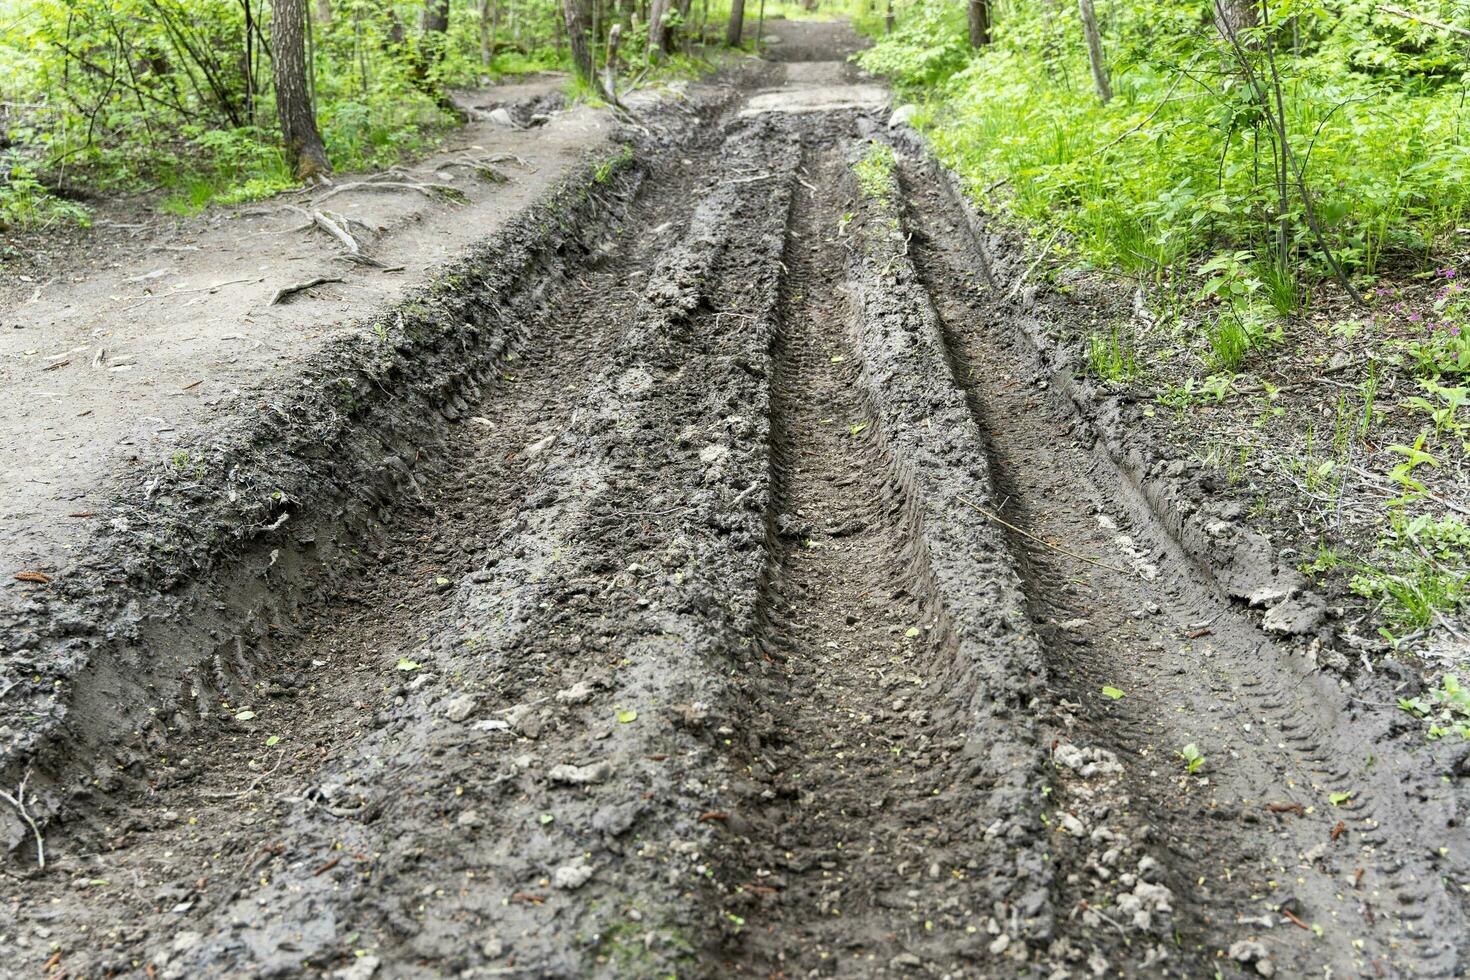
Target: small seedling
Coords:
[(1193, 758), (408, 666), (1338, 799)]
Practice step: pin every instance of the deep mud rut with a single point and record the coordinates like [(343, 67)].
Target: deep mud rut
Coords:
[(691, 649)]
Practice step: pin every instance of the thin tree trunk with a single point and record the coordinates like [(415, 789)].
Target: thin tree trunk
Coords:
[(737, 23), (487, 32), (575, 12), (305, 154), (684, 24), (658, 38), (888, 19), (979, 23), (610, 69), (323, 10), (1095, 51)]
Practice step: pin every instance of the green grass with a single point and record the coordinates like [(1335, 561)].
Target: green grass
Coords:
[(877, 173), (1111, 355)]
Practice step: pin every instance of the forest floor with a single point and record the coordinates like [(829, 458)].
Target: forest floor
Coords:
[(711, 572)]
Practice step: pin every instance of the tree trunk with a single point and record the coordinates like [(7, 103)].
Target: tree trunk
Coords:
[(1234, 16), (489, 13), (323, 11), (610, 68), (576, 14), (436, 17), (684, 24), (658, 37), (305, 154), (979, 23), (737, 23), (1095, 51)]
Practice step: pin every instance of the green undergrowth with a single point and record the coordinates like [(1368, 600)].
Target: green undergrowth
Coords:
[(175, 96), (1248, 282)]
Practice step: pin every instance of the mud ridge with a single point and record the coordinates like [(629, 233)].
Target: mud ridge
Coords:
[(1297, 742), (579, 651), (204, 558)]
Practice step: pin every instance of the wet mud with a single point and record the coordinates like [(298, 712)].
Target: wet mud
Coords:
[(754, 599)]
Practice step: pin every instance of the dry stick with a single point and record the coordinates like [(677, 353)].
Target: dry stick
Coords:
[(1045, 544), (1016, 288), (19, 802), (1418, 19), (286, 292), (337, 232)]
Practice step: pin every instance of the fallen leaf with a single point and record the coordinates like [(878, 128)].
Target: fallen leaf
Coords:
[(1112, 693), (406, 665), (245, 715), (1339, 830), (625, 717)]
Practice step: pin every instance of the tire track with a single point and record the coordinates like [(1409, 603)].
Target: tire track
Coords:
[(884, 818), (1367, 887)]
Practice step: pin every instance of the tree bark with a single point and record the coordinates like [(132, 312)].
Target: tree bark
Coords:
[(489, 14), (436, 17), (979, 23), (1095, 51), (737, 23), (576, 14), (658, 36), (1234, 16), (323, 11), (305, 154), (610, 68)]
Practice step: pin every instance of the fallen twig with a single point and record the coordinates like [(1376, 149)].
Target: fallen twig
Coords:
[(286, 292), (1016, 288), (19, 802), (1046, 544)]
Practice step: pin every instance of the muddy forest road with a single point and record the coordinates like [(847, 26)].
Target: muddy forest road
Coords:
[(686, 644)]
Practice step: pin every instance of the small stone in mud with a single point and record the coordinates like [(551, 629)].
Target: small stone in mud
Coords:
[(579, 693), (1250, 951), (538, 447), (361, 969), (571, 876), (460, 708), (470, 819), (580, 775)]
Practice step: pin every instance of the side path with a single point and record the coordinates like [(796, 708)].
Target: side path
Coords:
[(110, 360)]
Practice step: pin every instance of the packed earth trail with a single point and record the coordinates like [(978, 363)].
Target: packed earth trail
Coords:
[(709, 579)]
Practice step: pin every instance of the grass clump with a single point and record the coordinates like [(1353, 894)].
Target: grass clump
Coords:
[(877, 173)]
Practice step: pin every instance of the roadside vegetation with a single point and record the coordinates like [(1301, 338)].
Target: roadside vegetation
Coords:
[(1275, 196), (221, 101)]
